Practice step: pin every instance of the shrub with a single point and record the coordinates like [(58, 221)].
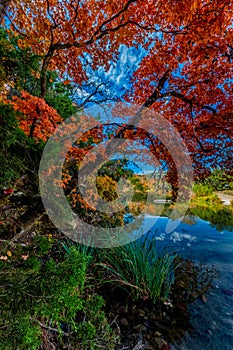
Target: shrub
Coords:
[(44, 299), (219, 179), (201, 190), (18, 154)]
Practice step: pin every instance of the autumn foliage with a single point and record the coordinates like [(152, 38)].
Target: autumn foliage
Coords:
[(185, 74), (38, 120)]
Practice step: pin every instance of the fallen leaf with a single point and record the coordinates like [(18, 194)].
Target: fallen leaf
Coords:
[(8, 191), (50, 236), (3, 257), (24, 257)]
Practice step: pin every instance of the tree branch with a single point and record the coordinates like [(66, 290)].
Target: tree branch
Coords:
[(190, 101)]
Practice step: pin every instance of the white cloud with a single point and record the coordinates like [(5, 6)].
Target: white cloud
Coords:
[(178, 237)]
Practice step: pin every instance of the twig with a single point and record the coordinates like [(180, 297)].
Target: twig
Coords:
[(138, 346), (26, 229), (67, 334), (114, 321), (7, 241)]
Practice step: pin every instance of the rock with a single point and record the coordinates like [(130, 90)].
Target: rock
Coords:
[(122, 309), (124, 322)]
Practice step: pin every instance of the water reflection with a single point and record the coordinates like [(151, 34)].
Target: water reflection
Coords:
[(219, 217), (205, 235)]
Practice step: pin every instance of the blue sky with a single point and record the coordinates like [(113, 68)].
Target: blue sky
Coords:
[(116, 81)]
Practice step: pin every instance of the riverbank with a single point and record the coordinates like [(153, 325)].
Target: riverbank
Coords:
[(30, 244), (225, 198)]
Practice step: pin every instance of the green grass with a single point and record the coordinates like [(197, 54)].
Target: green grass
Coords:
[(139, 269)]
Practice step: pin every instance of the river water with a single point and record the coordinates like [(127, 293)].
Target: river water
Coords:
[(203, 241)]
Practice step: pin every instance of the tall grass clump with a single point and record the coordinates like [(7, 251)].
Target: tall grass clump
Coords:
[(139, 269)]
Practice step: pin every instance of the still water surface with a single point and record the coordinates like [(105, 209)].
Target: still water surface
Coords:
[(211, 242)]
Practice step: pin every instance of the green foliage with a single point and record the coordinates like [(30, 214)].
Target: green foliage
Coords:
[(201, 190), (41, 295), (18, 65), (220, 217), (219, 180), (140, 270), (18, 153), (137, 181), (59, 97), (139, 196), (115, 169)]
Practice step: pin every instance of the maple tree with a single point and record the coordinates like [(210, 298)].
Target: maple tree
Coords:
[(185, 74), (40, 120)]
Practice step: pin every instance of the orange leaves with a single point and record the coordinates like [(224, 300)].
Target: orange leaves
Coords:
[(67, 82), (189, 39), (38, 120)]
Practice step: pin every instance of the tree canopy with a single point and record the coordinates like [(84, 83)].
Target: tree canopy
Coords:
[(185, 74)]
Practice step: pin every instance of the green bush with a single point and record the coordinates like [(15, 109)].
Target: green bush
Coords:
[(201, 190), (59, 97), (219, 180), (18, 153), (43, 298)]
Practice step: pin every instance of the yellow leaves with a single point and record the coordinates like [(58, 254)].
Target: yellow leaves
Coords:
[(107, 187), (5, 257), (194, 5), (50, 237), (23, 44), (9, 253), (73, 119), (65, 179)]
